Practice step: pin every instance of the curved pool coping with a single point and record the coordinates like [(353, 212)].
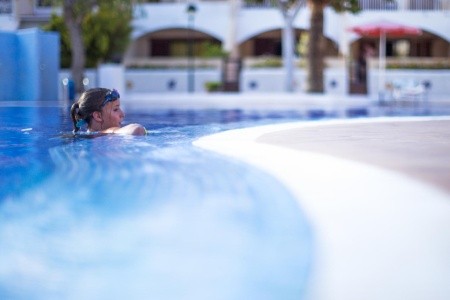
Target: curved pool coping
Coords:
[(379, 233)]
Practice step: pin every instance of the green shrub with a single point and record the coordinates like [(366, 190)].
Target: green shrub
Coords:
[(213, 86), (272, 62), (442, 65)]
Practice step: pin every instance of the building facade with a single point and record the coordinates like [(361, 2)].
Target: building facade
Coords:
[(169, 35)]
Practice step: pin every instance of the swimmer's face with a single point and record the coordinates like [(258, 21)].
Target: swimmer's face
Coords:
[(112, 114)]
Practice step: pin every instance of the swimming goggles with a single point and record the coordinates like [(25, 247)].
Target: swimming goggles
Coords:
[(112, 95)]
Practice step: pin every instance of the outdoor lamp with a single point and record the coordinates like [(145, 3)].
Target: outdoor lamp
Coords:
[(191, 10)]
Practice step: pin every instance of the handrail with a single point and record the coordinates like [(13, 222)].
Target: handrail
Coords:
[(368, 5), (414, 5), (374, 5), (377, 5)]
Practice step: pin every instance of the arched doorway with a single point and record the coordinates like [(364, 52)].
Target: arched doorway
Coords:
[(267, 43), (171, 46), (402, 52)]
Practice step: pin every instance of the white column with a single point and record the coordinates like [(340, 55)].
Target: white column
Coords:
[(344, 46), (288, 53), (231, 44), (382, 63)]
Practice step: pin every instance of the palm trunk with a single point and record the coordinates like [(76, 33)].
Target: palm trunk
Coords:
[(315, 50), (73, 24)]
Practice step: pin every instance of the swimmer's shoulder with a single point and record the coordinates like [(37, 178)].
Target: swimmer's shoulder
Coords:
[(131, 129)]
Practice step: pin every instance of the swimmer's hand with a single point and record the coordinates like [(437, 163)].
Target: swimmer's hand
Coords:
[(131, 129)]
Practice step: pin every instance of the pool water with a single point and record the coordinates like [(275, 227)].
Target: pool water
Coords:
[(148, 217)]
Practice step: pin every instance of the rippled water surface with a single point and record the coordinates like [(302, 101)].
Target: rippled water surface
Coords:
[(149, 217)]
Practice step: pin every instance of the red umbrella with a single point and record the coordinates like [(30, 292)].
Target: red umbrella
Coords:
[(383, 29), (390, 29)]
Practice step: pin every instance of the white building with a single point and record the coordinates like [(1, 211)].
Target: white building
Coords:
[(165, 33)]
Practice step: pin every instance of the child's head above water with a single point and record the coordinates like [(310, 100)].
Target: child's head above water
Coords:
[(99, 109)]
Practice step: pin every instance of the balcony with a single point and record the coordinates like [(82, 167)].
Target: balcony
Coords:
[(377, 5), (415, 5), (6, 7)]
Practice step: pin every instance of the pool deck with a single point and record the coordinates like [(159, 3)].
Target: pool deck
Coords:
[(420, 149), (376, 192)]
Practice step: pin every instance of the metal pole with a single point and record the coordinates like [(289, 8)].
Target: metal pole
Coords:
[(382, 63), (191, 57), (191, 9)]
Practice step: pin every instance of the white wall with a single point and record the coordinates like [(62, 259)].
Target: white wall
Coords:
[(438, 79), (168, 81), (272, 80), (265, 80)]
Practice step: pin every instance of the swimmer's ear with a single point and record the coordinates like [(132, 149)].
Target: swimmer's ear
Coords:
[(97, 115)]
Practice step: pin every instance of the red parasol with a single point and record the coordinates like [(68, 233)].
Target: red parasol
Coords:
[(381, 30), (390, 29)]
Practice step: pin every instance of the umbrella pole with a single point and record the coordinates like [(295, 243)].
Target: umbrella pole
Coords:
[(382, 64)]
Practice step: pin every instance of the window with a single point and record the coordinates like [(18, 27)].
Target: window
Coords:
[(5, 7), (45, 3), (159, 48), (264, 46), (423, 4), (421, 48), (377, 5)]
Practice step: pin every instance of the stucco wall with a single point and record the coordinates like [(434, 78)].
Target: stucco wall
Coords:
[(268, 81)]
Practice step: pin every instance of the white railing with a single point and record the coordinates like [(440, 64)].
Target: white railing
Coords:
[(264, 3), (6, 7), (383, 5), (378, 5), (419, 5)]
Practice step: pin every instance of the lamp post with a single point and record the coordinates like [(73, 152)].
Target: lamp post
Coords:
[(191, 10)]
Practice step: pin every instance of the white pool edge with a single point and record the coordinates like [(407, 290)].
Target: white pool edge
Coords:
[(379, 234)]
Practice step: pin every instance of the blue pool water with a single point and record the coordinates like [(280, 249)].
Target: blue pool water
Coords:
[(143, 217)]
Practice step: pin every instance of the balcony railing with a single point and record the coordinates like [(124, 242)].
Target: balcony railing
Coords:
[(379, 5), (6, 7), (404, 5), (45, 6)]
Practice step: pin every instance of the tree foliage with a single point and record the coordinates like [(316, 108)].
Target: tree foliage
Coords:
[(98, 30), (56, 23), (105, 32), (345, 5)]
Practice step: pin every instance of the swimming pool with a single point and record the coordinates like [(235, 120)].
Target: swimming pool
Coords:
[(143, 217)]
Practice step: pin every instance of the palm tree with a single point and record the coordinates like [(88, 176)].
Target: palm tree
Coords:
[(316, 39), (74, 13), (315, 65)]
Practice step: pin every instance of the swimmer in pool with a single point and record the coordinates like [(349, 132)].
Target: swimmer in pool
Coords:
[(99, 109)]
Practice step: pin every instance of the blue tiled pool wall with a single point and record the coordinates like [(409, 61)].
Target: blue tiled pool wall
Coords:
[(30, 65)]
